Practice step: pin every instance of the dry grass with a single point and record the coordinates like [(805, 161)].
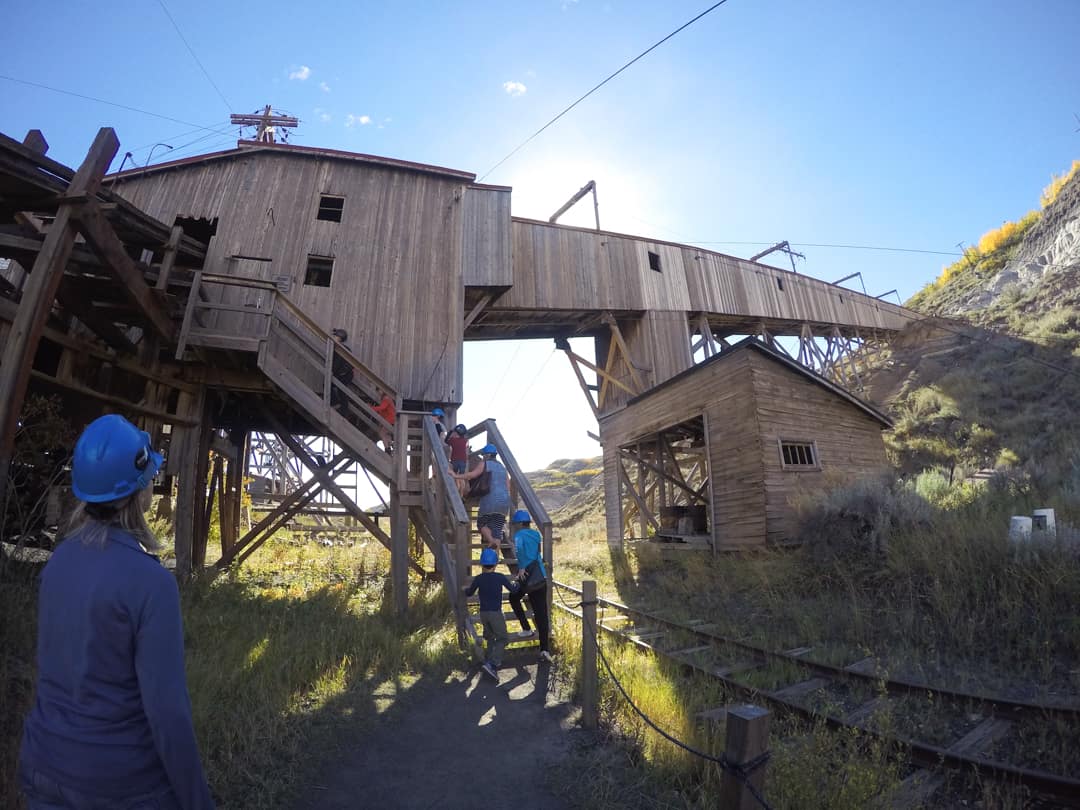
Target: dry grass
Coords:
[(287, 658), (936, 595)]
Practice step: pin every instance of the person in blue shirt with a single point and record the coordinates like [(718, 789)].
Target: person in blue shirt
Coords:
[(528, 548), (490, 586), (111, 722)]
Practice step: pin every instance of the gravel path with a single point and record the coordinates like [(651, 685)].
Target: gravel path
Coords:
[(466, 743)]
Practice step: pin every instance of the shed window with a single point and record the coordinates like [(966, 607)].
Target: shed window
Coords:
[(779, 283), (330, 208), (319, 270), (654, 262), (798, 454)]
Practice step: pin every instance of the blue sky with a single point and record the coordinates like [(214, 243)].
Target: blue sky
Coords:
[(915, 125)]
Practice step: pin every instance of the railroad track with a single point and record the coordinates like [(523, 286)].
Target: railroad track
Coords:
[(693, 645)]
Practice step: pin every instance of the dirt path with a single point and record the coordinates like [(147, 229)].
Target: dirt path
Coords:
[(467, 743)]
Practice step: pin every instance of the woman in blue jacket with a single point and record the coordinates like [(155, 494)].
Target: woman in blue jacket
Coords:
[(111, 722)]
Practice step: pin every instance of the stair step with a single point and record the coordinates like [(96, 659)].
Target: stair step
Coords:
[(502, 560), (507, 614)]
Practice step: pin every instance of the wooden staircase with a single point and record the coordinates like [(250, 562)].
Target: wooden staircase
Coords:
[(247, 316)]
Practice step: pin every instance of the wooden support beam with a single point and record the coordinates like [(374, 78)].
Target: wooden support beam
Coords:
[(107, 245), (168, 261), (601, 372), (573, 358), (616, 333), (38, 296), (474, 313), (637, 498), (633, 455), (120, 403), (183, 463), (399, 551)]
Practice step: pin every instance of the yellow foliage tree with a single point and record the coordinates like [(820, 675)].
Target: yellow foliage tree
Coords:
[(1057, 183)]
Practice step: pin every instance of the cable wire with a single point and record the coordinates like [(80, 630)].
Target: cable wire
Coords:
[(640, 56), (102, 101), (198, 62), (740, 772)]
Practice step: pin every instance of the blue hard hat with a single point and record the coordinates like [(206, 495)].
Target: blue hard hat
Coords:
[(112, 459), (489, 450), (520, 516), (489, 557), (438, 412)]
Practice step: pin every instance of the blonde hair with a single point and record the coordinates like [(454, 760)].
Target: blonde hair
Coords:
[(90, 522)]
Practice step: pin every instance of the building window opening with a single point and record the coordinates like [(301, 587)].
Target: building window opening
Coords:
[(654, 262), (319, 271), (779, 283), (330, 208), (798, 454)]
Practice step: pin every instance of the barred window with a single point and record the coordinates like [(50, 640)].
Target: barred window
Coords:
[(798, 454)]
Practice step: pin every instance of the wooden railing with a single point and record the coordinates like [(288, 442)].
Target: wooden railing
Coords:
[(449, 523), (298, 355)]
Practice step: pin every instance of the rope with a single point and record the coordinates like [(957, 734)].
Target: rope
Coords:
[(740, 772)]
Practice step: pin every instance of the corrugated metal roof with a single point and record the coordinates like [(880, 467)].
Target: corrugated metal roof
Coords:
[(244, 148)]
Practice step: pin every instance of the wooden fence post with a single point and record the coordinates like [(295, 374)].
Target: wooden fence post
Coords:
[(746, 742), (589, 683)]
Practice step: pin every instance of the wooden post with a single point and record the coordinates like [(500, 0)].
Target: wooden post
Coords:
[(747, 739), (590, 717), (40, 292), (183, 463), (399, 551)]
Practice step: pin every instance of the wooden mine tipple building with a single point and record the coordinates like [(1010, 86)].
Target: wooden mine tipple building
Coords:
[(211, 285)]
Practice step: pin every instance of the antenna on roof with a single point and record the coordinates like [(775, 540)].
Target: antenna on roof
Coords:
[(783, 247), (267, 122)]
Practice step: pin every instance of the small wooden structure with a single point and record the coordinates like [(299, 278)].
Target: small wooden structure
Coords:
[(716, 454)]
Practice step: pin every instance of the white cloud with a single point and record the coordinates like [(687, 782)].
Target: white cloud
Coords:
[(324, 117), (324, 87), (514, 88), (303, 73), (352, 120)]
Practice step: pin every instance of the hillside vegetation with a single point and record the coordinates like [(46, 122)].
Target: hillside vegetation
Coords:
[(992, 378)]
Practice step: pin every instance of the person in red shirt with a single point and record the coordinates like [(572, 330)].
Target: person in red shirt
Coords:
[(387, 411), (459, 448)]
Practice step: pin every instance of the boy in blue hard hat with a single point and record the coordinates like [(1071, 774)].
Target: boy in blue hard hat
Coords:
[(111, 721), (528, 549), (490, 586)]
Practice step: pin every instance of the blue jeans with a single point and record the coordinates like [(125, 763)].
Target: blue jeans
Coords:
[(44, 793)]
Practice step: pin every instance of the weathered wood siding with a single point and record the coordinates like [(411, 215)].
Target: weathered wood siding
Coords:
[(723, 392), (486, 242), (563, 267), (751, 401), (790, 407), (659, 344), (397, 277)]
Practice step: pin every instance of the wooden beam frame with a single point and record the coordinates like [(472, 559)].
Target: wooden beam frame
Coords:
[(107, 245), (39, 294)]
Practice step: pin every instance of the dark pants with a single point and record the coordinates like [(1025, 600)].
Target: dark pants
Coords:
[(44, 793), (538, 603)]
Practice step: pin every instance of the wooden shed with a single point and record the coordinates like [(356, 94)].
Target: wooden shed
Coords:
[(716, 454)]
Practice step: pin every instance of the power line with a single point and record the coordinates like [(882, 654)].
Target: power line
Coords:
[(187, 45), (641, 55), (215, 125), (102, 101)]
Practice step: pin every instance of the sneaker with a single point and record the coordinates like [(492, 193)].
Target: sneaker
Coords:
[(490, 671), (547, 657), (524, 635)]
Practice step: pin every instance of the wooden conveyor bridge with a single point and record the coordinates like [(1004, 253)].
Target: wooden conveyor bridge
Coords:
[(150, 293)]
